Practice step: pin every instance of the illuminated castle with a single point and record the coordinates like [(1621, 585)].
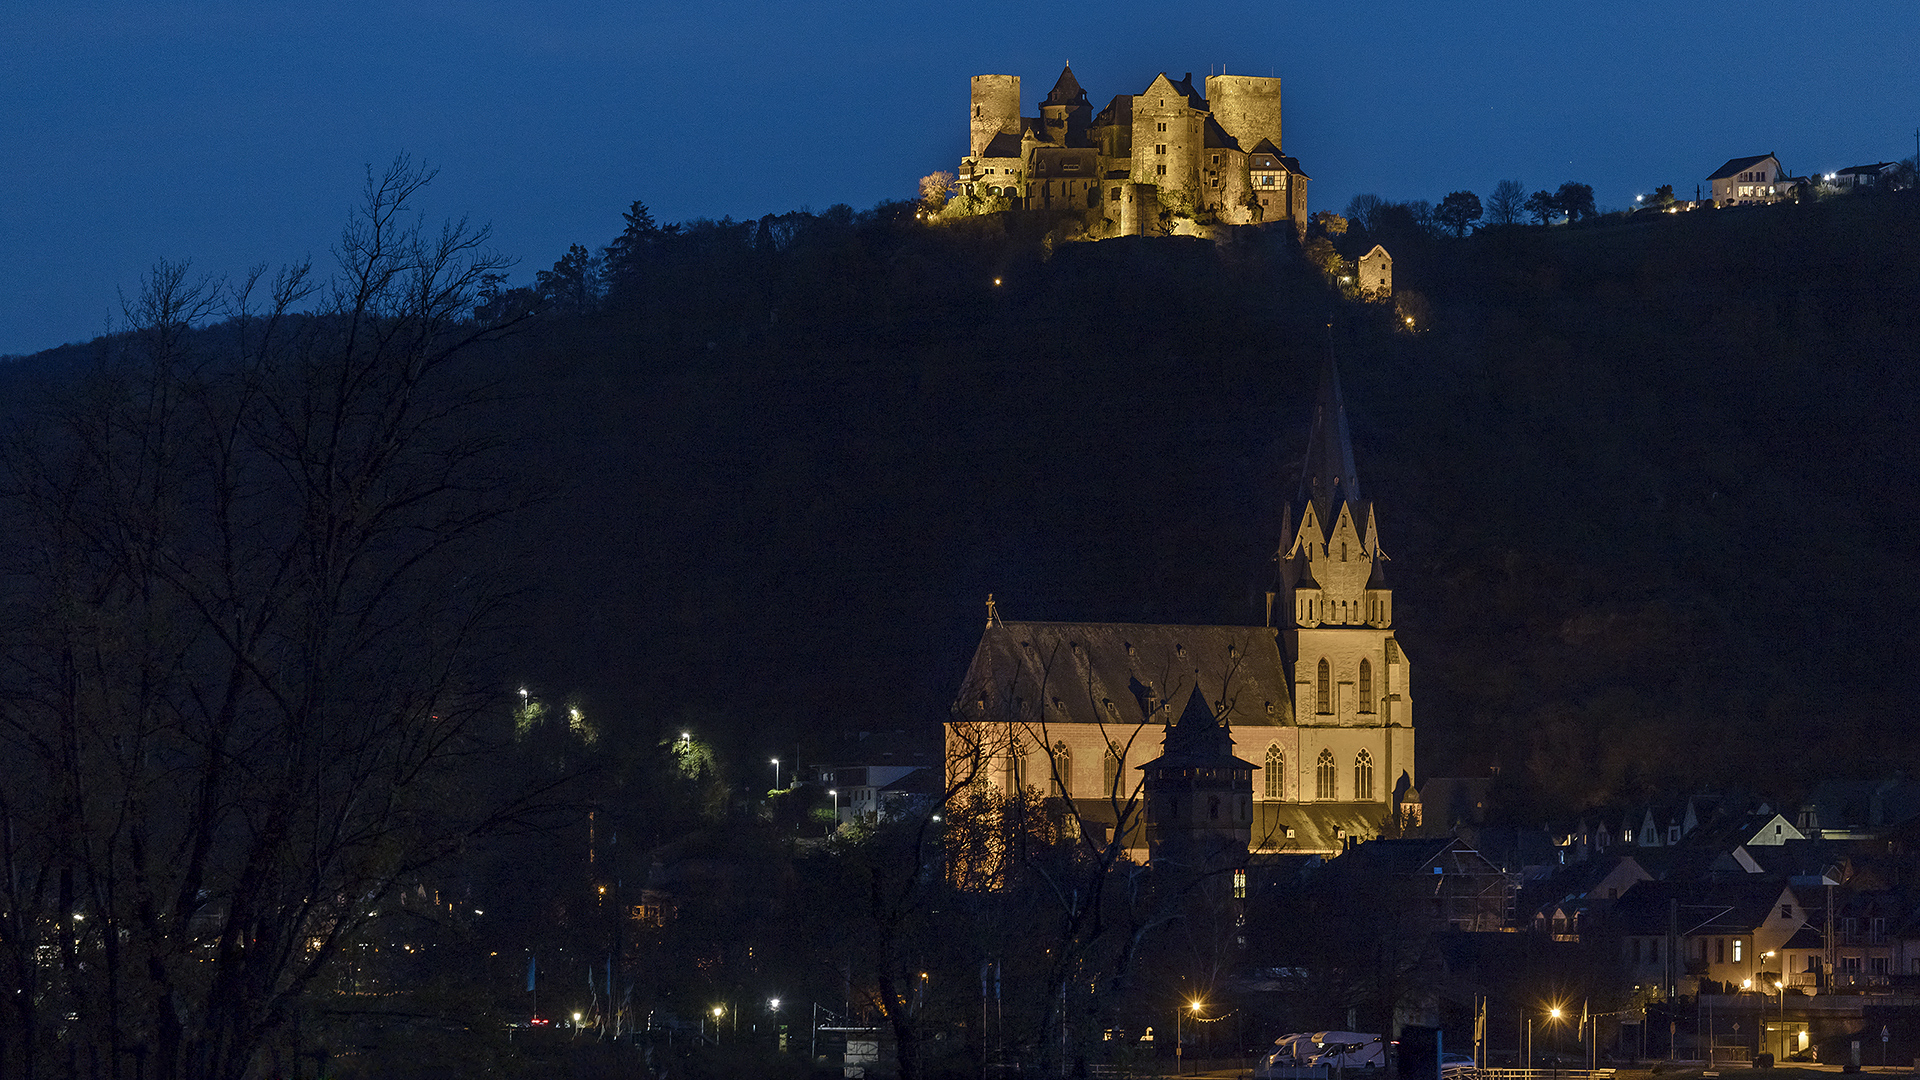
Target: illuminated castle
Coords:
[(1164, 160), (1315, 708)]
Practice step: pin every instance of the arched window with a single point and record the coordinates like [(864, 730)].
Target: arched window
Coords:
[(1324, 697), (1063, 769), (1366, 685), (1110, 772), (1363, 776), (1324, 775), (1016, 766), (1276, 771)]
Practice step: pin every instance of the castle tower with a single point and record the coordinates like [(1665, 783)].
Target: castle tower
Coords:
[(996, 110), (1065, 111), (1199, 797), (1246, 107), (1352, 697)]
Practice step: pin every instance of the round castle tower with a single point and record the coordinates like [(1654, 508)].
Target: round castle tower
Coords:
[(996, 109), (1247, 107)]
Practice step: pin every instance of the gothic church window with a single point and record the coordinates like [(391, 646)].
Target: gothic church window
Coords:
[(1366, 685), (1323, 695), (1363, 775), (1275, 771), (1063, 769), (1324, 776), (1110, 770)]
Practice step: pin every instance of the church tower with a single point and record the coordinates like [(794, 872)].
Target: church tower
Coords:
[(1352, 697)]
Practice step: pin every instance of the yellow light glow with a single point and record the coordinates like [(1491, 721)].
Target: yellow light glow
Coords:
[(1194, 1005), (1554, 1012), (717, 1010)]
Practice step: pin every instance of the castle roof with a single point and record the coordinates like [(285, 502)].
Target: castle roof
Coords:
[(1185, 86), (1739, 164), (1004, 145), (1215, 137), (1066, 91)]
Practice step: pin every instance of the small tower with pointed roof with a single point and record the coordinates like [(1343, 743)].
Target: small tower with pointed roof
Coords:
[(1199, 797)]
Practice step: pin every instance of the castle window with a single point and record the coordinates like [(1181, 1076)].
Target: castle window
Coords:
[(1275, 771), (1324, 776), (1363, 776), (1323, 696), (1063, 769), (1114, 195), (1160, 170), (1366, 686), (1160, 127), (1343, 551), (1160, 148)]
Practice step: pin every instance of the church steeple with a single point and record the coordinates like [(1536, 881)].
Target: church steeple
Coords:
[(1329, 475)]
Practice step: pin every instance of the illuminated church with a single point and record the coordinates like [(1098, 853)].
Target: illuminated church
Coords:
[(1317, 703)]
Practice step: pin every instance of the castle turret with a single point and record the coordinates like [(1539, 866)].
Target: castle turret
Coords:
[(1199, 797), (1065, 111), (996, 110)]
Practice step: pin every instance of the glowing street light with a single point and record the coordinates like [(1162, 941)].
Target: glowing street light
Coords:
[(776, 774), (836, 808), (1179, 1015)]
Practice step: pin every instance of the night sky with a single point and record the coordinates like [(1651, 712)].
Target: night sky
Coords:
[(238, 133)]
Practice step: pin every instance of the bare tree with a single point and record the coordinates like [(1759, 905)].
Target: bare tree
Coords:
[(247, 568), (1508, 203)]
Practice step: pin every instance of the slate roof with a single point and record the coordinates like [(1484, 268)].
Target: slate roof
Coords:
[(1329, 476), (1066, 90), (1004, 145), (1703, 908), (1738, 165), (1317, 826), (1198, 741), (1075, 669), (1215, 137)]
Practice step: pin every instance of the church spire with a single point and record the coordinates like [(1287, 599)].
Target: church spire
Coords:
[(1329, 477)]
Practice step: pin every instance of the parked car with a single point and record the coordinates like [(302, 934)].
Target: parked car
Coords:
[(1331, 1050)]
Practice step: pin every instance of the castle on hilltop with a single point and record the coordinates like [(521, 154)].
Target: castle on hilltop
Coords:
[(1166, 160)]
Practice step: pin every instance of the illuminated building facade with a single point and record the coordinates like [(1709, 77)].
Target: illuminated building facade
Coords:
[(1159, 161), (1317, 701)]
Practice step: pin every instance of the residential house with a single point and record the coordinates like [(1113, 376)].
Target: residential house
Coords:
[(1745, 181)]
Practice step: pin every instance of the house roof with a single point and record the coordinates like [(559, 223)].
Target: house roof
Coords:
[(1317, 826), (1697, 907), (1215, 137), (1739, 164), (1866, 170), (1122, 675)]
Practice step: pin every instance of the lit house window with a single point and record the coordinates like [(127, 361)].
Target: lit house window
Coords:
[(1239, 884)]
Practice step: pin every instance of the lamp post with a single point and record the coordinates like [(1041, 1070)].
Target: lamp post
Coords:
[(1781, 985), (776, 774), (836, 807), (718, 1011), (1178, 1016), (1553, 1017)]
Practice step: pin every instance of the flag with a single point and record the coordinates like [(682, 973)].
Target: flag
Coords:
[(531, 963)]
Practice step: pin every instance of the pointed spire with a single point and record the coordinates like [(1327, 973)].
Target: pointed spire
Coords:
[(1067, 90), (993, 615), (1329, 477)]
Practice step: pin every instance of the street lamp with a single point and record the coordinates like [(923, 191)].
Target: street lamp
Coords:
[(718, 1011), (836, 808), (776, 774), (1179, 1015)]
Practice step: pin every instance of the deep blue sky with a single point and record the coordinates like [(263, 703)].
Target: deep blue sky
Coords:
[(238, 133)]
